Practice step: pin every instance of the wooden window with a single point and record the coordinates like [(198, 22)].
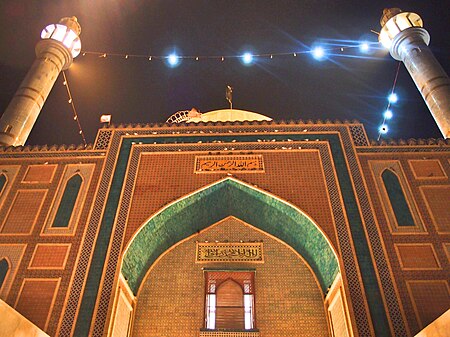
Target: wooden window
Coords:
[(229, 303)]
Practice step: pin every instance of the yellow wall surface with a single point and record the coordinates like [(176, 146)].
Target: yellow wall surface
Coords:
[(288, 300)]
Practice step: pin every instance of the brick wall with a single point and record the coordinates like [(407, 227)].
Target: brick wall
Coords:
[(288, 300)]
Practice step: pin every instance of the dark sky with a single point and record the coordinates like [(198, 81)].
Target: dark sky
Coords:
[(135, 90)]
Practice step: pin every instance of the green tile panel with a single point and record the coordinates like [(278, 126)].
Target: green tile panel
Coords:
[(229, 197)]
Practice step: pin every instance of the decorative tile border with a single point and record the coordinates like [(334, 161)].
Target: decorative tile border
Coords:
[(383, 270), (357, 296)]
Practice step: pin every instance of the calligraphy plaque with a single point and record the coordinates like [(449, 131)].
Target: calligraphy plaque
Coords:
[(229, 163), (229, 252)]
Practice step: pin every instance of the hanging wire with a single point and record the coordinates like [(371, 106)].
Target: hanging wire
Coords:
[(72, 104), (389, 101), (336, 47)]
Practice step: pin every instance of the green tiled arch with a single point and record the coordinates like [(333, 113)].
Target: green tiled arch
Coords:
[(207, 206)]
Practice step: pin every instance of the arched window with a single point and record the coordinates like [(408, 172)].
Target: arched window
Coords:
[(68, 201), (397, 199), (2, 182), (230, 306), (229, 300), (4, 267)]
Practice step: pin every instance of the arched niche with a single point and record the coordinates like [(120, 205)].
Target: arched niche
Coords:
[(200, 209)]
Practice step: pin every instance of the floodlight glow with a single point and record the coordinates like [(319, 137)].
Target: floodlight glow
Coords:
[(247, 58), (393, 98), (388, 114), (65, 35), (383, 129), (173, 59), (364, 47), (318, 53)]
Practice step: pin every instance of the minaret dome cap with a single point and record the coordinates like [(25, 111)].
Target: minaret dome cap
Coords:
[(72, 24), (389, 13)]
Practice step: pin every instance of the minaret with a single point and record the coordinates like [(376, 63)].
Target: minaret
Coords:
[(55, 52), (403, 34)]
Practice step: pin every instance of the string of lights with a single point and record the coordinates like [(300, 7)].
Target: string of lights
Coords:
[(318, 52), (72, 104), (388, 114)]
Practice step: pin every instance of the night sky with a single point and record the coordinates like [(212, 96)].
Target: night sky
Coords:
[(346, 85)]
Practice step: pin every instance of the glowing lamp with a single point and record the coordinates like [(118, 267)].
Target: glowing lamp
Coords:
[(393, 98), (364, 47), (388, 114), (318, 53), (67, 32), (173, 59), (383, 129), (247, 58)]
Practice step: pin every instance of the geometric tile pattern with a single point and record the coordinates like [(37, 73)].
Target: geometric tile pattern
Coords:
[(39, 174), (417, 256), (352, 273), (23, 212), (122, 217), (447, 250), (13, 254), (381, 265), (49, 256), (358, 302), (430, 299), (358, 135), (116, 139), (35, 300), (427, 169), (437, 200)]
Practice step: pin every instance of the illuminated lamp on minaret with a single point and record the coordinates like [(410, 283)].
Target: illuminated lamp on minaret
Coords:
[(59, 45), (403, 34)]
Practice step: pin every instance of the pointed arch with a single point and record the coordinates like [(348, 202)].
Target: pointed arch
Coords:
[(4, 268), (229, 305), (2, 182), (68, 200), (397, 198), (228, 197)]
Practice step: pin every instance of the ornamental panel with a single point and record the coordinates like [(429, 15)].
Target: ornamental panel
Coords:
[(229, 252), (229, 163)]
